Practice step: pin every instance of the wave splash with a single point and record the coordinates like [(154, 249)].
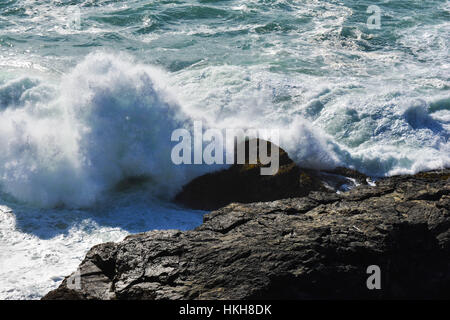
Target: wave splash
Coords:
[(110, 120)]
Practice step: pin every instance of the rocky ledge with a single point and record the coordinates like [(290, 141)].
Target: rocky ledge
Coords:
[(315, 246), (244, 183)]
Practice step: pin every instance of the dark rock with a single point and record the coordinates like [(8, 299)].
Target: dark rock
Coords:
[(244, 183), (349, 173), (301, 248)]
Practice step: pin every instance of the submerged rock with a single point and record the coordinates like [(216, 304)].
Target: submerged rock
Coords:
[(318, 246)]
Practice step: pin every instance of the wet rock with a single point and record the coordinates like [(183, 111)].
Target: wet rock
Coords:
[(244, 183), (312, 247)]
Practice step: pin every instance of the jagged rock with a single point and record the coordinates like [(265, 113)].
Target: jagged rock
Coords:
[(311, 247), (244, 183)]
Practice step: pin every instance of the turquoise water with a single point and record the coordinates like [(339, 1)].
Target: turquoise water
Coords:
[(90, 92)]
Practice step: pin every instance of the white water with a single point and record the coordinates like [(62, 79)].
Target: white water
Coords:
[(69, 141), (39, 247)]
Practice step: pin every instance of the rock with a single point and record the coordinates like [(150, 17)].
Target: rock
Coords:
[(349, 173), (244, 183), (313, 247)]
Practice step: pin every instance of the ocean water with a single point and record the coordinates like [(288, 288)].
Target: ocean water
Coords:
[(90, 91)]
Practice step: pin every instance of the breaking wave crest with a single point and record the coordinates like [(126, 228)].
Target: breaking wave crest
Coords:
[(111, 119)]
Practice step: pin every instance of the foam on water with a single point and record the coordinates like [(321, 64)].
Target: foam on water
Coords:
[(39, 247), (110, 120)]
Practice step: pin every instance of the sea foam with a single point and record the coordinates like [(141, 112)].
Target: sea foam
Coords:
[(110, 120), (70, 141)]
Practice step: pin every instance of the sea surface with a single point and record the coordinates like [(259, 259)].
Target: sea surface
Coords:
[(91, 90)]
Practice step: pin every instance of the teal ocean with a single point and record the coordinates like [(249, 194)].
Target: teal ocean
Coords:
[(91, 90)]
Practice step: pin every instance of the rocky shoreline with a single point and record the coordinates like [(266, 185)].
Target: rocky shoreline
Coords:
[(292, 235), (243, 183), (312, 247)]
